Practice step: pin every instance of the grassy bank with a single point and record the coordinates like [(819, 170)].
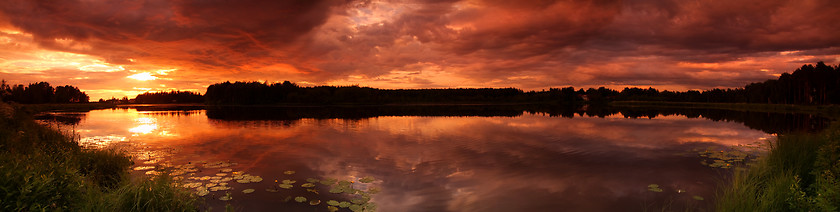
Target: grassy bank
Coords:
[(43, 169), (798, 173), (821, 110)]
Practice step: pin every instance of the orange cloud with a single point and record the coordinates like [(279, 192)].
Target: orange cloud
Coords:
[(466, 43)]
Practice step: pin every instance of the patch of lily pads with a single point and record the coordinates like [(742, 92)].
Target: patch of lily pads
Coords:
[(195, 176), (731, 157), (358, 191)]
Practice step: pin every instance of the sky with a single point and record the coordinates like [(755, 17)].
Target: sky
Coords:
[(115, 48)]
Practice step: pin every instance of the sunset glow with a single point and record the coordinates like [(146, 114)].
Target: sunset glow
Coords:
[(532, 45), (142, 76)]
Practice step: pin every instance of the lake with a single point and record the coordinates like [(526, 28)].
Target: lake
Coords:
[(471, 158)]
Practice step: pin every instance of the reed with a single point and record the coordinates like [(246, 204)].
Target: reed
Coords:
[(798, 173), (43, 169)]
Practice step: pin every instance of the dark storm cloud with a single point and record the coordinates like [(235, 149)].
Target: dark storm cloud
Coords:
[(215, 33), (445, 43)]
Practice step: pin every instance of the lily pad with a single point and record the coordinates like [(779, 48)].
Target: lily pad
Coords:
[(344, 204), (332, 202), (289, 172), (315, 202), (226, 170), (143, 168), (192, 185), (654, 188), (308, 185), (289, 182), (370, 206), (367, 179), (248, 191), (328, 181), (355, 208), (312, 180), (697, 197), (202, 192), (286, 186), (300, 199), (349, 190), (360, 200), (220, 188), (332, 208), (336, 190), (226, 197)]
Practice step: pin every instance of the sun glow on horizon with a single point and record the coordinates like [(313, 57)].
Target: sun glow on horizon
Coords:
[(145, 76)]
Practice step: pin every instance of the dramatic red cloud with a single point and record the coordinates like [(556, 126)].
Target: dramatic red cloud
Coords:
[(115, 48)]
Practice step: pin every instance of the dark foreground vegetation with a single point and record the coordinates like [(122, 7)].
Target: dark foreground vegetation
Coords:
[(811, 84), (800, 172), (42, 169)]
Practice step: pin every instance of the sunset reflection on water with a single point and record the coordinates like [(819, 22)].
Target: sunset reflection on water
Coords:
[(526, 163)]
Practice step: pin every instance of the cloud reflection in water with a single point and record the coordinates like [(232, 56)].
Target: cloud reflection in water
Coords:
[(524, 163)]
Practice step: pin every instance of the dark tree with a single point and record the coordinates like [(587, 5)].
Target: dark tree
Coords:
[(69, 94), (41, 92), (169, 97)]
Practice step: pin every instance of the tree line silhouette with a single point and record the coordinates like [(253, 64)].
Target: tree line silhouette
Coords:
[(288, 92), (41, 92), (169, 97), (810, 84)]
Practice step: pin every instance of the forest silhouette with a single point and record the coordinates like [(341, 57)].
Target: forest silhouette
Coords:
[(41, 92), (169, 97), (809, 84)]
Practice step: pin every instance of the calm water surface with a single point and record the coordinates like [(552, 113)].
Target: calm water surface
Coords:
[(531, 162)]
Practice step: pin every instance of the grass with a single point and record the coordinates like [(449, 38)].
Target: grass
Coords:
[(798, 173), (155, 194), (43, 169)]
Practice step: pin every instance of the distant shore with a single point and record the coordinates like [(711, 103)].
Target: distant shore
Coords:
[(822, 110)]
